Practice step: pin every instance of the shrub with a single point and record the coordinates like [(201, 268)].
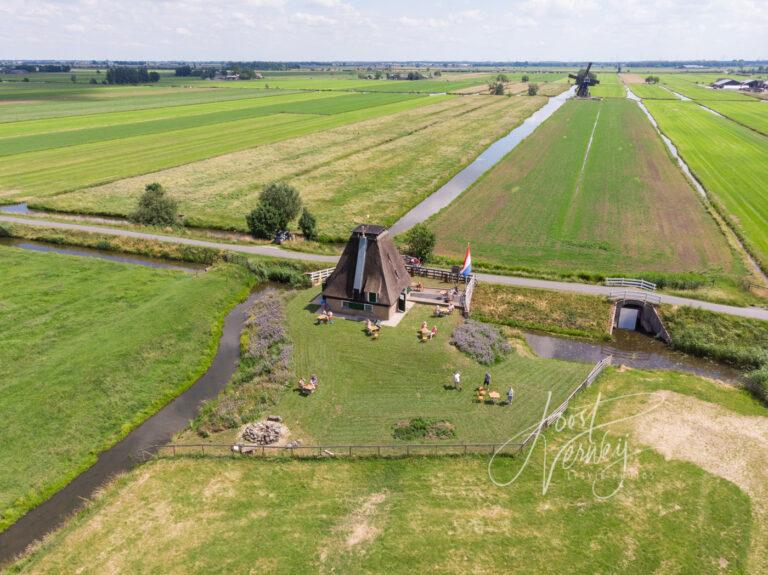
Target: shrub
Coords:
[(308, 225), (496, 88), (524, 78), (757, 383), (155, 207), (423, 428), (533, 89), (480, 341), (5, 231), (420, 241)]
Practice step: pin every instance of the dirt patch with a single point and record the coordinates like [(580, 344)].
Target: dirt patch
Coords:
[(361, 528), (632, 78), (731, 446)]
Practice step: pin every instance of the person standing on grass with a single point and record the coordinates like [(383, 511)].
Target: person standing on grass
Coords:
[(510, 395), (487, 380), (457, 380)]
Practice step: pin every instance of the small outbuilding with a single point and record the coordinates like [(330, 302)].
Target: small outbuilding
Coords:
[(726, 84), (371, 279)]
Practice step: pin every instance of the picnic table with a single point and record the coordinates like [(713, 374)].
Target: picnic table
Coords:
[(322, 318), (494, 395)]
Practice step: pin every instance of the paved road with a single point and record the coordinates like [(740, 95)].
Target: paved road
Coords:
[(272, 251)]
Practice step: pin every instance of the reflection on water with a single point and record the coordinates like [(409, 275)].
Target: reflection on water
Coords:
[(631, 349), (101, 254), (15, 209), (484, 162)]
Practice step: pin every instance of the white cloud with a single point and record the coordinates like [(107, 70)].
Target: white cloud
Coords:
[(314, 19)]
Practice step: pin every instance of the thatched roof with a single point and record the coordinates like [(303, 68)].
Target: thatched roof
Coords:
[(384, 272)]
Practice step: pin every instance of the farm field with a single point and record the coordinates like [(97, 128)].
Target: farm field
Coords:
[(609, 87), (367, 386), (19, 103), (90, 349), (339, 171), (56, 170), (737, 187), (433, 514), (651, 92), (697, 92), (623, 208), (750, 114)]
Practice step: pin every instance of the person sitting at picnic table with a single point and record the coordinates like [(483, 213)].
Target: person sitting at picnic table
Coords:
[(419, 286), (450, 308), (424, 325), (510, 395), (313, 382), (329, 315), (302, 384), (438, 311), (433, 333)]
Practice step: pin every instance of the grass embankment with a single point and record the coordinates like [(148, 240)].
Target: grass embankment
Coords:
[(426, 514), (340, 172), (709, 144), (366, 386), (91, 348), (622, 208), (740, 342), (564, 313)]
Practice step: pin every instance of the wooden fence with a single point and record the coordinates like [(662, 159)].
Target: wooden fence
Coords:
[(640, 296), (382, 450), (320, 276), (440, 274), (549, 420), (630, 283)]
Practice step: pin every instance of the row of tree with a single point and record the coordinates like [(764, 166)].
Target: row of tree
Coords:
[(131, 75)]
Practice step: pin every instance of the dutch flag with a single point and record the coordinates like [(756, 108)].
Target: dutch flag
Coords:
[(466, 269)]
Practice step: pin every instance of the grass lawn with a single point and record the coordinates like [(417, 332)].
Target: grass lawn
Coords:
[(426, 515), (694, 87), (90, 349), (609, 87), (340, 172), (710, 145), (623, 208), (367, 386), (651, 92)]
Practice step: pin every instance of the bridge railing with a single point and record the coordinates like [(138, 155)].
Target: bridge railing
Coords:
[(630, 283), (641, 296), (319, 276)]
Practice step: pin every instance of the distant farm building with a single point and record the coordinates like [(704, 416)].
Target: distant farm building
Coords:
[(754, 85), (726, 84), (370, 279)]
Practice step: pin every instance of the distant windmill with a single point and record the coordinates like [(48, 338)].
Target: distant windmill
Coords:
[(583, 81)]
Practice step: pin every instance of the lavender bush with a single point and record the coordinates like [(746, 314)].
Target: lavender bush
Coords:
[(480, 341)]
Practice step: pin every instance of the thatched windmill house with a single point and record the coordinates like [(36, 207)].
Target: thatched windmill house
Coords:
[(370, 279)]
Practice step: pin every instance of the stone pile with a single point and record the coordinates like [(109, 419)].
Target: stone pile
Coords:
[(263, 432)]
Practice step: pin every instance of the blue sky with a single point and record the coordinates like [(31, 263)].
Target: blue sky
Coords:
[(384, 30)]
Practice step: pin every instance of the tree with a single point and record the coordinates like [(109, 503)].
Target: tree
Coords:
[(652, 80), (92, 81), (420, 241), (264, 221), (496, 88), (279, 204), (73, 78), (155, 207), (502, 78), (524, 78), (308, 225), (154, 77), (533, 89)]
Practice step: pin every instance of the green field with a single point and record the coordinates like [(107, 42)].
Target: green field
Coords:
[(688, 87), (340, 172), (623, 208), (73, 166), (610, 86), (366, 386), (651, 92), (428, 515), (750, 114), (90, 349), (710, 145)]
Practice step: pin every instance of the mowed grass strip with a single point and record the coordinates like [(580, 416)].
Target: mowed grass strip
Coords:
[(731, 161), (609, 87), (313, 103), (686, 86), (651, 92), (366, 386), (624, 208), (54, 171), (383, 166), (426, 515), (90, 349)]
